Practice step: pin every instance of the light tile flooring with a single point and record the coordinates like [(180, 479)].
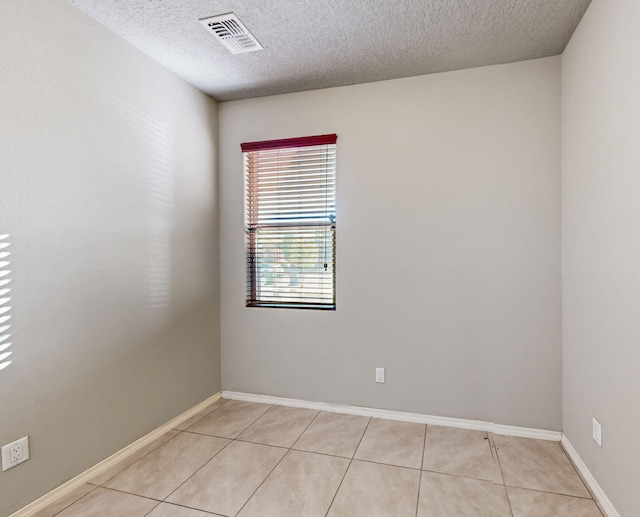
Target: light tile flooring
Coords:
[(246, 459)]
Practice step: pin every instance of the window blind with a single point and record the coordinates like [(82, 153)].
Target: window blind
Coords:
[(291, 222)]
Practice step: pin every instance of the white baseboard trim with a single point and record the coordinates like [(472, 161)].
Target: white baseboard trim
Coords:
[(476, 425), (605, 504), (109, 462)]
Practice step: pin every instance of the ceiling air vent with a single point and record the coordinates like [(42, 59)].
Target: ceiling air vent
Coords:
[(231, 33)]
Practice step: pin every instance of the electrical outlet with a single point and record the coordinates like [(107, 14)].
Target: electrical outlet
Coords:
[(380, 375), (15, 453), (597, 432)]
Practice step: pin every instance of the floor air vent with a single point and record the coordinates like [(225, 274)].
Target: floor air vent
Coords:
[(231, 33)]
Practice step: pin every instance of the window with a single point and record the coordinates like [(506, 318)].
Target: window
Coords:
[(291, 222)]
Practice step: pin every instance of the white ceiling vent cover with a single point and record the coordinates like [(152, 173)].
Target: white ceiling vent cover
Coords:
[(232, 33)]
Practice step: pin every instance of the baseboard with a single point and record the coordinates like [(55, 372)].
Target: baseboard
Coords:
[(476, 425), (605, 504), (109, 462)]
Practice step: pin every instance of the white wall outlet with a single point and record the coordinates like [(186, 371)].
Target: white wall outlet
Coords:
[(380, 375), (597, 432), (15, 453)]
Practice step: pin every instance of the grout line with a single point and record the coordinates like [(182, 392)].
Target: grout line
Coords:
[(310, 452), (263, 481), (492, 448), (547, 492), (139, 459), (575, 468), (348, 467), (255, 442), (152, 509), (74, 502), (461, 476), (237, 439), (494, 454), (205, 415), (158, 501), (386, 464), (504, 484), (245, 428), (293, 447), (305, 429), (227, 437), (210, 435), (254, 421), (424, 447), (424, 452), (357, 459), (506, 494), (188, 430), (231, 440), (244, 440), (281, 459), (192, 508), (131, 493), (197, 470)]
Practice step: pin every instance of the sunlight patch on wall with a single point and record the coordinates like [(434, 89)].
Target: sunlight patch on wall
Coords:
[(161, 215), (153, 135), (5, 300), (159, 264)]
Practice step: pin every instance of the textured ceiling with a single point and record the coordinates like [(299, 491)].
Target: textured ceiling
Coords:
[(312, 44)]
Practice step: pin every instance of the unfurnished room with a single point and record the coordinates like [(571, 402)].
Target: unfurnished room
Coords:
[(272, 258)]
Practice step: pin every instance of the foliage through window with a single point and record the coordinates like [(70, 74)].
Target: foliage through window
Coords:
[(291, 222)]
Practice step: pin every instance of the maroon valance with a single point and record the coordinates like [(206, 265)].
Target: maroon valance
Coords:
[(304, 141)]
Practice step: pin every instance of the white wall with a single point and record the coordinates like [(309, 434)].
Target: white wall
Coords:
[(601, 245), (448, 248), (107, 172)]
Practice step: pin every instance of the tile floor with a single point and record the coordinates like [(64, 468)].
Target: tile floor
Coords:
[(246, 459)]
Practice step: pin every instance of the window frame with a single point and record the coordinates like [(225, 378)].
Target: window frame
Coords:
[(252, 227)]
